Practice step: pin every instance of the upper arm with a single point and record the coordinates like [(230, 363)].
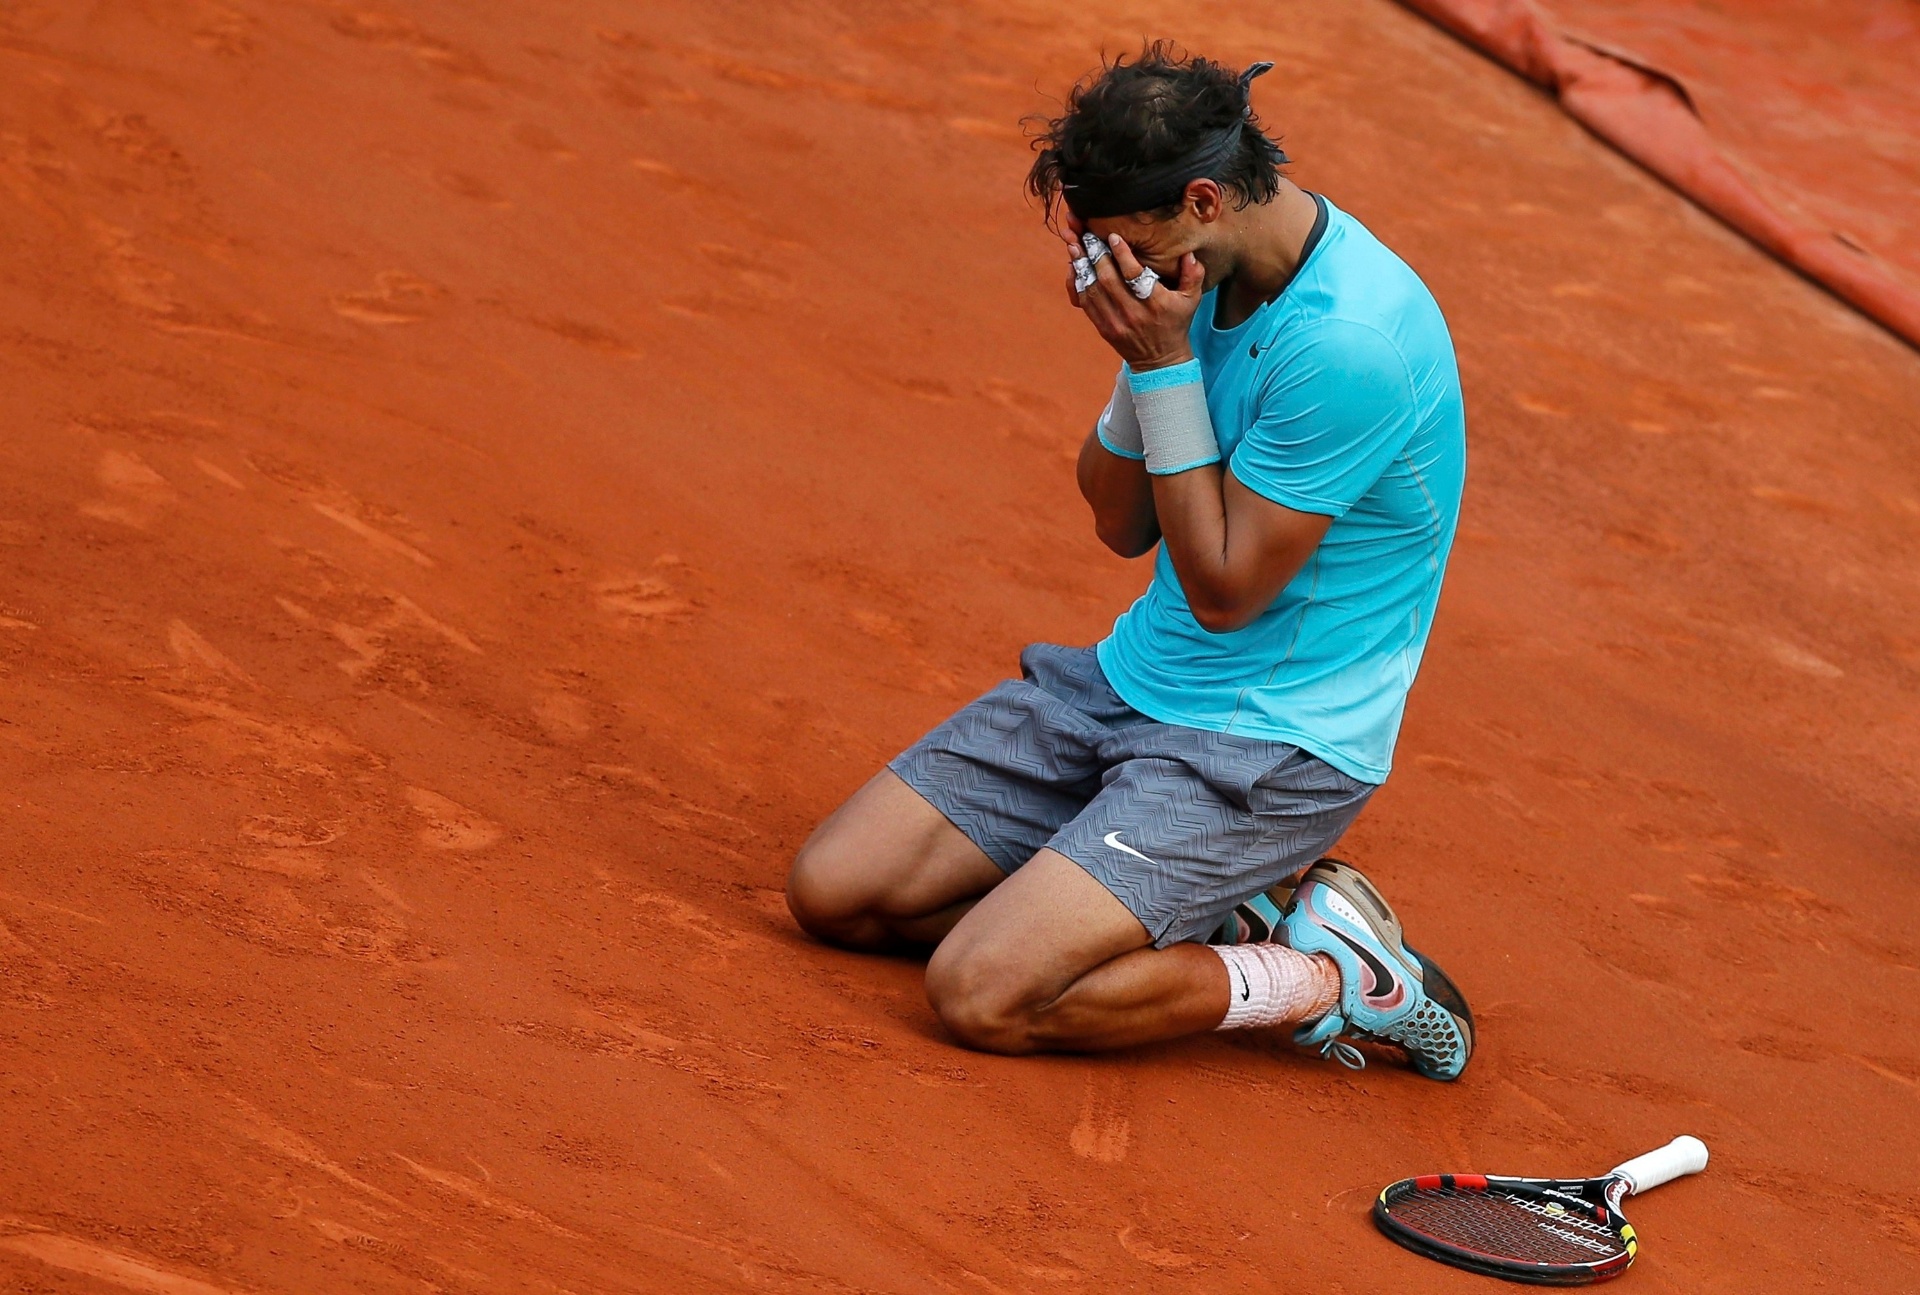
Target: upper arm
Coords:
[(1331, 419)]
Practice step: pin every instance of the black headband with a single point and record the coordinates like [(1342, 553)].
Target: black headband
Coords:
[(1150, 188)]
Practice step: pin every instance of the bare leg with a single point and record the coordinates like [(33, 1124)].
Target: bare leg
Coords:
[(1051, 961), (887, 870), (1043, 960)]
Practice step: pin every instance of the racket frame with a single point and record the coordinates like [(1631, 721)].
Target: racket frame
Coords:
[(1597, 1198)]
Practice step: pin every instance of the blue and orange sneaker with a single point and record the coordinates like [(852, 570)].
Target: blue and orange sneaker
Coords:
[(1255, 920), (1389, 993)]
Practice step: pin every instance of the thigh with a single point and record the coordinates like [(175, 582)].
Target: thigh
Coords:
[(1036, 933), (1194, 823), (1009, 768), (888, 852)]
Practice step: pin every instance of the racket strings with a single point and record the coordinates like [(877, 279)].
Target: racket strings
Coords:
[(1508, 1226)]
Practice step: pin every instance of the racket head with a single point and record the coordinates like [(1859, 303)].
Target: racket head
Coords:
[(1542, 1231)]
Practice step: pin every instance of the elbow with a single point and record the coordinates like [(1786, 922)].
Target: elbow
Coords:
[(1221, 616), (1128, 541)]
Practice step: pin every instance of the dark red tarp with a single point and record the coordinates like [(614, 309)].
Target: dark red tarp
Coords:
[(1797, 122)]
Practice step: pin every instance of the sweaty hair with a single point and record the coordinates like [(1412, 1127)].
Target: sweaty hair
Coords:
[(1150, 111)]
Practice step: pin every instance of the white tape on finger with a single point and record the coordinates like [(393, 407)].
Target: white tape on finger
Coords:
[(1684, 1155), (1083, 275), (1141, 284), (1095, 248)]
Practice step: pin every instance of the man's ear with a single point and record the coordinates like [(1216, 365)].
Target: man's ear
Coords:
[(1205, 200)]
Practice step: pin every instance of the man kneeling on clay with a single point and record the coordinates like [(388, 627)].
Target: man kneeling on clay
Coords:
[(1126, 844)]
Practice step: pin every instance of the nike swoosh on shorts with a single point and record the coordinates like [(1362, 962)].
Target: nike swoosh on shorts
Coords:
[(1113, 839)]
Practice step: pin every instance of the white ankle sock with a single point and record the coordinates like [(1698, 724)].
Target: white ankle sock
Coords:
[(1271, 984)]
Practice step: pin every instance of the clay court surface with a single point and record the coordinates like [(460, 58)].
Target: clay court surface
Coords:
[(479, 481)]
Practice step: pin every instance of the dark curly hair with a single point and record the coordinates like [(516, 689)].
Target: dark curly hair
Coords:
[(1150, 110)]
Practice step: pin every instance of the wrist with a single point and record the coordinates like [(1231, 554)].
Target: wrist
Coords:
[(1142, 382), (1118, 429), (1176, 429), (1171, 359)]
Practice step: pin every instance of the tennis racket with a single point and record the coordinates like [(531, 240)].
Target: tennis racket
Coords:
[(1545, 1231)]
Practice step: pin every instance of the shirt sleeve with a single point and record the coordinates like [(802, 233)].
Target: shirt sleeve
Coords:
[(1332, 416)]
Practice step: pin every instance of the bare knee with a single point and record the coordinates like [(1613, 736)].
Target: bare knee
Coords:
[(983, 1004), (827, 895)]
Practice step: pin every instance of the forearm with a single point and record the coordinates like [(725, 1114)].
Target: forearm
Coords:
[(1113, 477), (1182, 462), (1121, 496), (1193, 521)]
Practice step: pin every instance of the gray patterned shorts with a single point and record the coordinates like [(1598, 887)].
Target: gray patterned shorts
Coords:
[(1179, 823)]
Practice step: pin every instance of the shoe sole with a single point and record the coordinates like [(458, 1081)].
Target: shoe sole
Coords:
[(1440, 988)]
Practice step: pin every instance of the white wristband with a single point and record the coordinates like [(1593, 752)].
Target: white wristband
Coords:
[(1176, 431), (1118, 429)]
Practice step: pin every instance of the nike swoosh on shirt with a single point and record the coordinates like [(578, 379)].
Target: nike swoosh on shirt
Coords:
[(1113, 839)]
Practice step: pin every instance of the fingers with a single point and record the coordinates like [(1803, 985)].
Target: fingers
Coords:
[(1106, 270), (1132, 270), (1192, 275), (1076, 263), (1128, 321), (1106, 302)]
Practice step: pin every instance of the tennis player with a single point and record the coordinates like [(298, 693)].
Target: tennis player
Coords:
[(1127, 844)]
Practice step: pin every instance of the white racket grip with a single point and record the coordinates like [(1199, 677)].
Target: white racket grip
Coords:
[(1684, 1155)]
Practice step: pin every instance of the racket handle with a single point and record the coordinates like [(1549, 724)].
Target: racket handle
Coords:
[(1684, 1155)]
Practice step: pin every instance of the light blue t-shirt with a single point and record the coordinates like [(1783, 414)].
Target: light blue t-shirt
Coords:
[(1341, 397)]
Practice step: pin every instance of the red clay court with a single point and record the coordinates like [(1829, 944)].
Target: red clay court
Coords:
[(480, 481)]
